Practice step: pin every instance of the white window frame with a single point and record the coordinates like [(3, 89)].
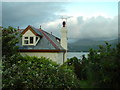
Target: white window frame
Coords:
[(37, 40), (34, 40), (26, 39)]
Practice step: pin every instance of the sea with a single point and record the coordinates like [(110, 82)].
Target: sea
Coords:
[(77, 54)]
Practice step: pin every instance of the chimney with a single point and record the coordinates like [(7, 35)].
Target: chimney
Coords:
[(40, 26), (64, 39), (18, 27)]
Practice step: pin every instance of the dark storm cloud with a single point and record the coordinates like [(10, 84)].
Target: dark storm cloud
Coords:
[(24, 13)]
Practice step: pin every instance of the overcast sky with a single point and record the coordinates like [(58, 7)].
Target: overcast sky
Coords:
[(93, 20)]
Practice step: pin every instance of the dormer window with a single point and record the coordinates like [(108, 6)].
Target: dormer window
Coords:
[(30, 37), (30, 40)]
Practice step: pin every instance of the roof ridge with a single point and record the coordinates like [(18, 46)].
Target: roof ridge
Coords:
[(51, 34), (43, 31), (49, 39), (35, 29)]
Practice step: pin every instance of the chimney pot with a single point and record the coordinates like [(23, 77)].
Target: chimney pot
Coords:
[(40, 26), (18, 27), (64, 23)]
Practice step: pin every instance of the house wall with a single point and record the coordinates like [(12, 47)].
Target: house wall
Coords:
[(57, 57), (60, 58)]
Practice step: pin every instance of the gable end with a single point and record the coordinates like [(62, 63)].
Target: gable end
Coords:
[(29, 28)]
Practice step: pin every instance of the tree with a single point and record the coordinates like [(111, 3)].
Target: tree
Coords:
[(9, 48), (103, 67), (9, 40), (77, 66), (100, 69), (33, 72)]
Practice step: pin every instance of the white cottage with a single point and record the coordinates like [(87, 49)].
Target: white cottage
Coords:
[(37, 42)]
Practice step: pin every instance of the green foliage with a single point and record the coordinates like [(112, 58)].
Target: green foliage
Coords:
[(9, 40), (100, 69), (77, 66), (33, 72), (9, 48), (103, 67)]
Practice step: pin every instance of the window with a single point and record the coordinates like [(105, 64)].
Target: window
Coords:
[(26, 37), (31, 40), (25, 41), (58, 40), (36, 38), (28, 40)]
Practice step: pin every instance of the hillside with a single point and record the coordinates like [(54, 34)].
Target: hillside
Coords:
[(86, 44)]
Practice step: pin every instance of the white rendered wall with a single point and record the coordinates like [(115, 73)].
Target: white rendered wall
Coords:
[(57, 57), (28, 33), (60, 58)]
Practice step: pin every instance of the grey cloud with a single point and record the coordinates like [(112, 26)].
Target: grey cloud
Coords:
[(24, 13), (93, 28), (0, 13)]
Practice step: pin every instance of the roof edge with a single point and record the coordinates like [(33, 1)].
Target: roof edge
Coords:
[(37, 50), (49, 39), (31, 29)]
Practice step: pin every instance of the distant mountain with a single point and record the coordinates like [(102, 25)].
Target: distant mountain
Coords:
[(86, 44)]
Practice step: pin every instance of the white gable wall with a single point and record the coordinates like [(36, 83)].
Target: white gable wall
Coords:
[(57, 57), (29, 34)]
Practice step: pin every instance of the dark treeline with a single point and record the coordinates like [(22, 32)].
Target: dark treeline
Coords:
[(100, 70)]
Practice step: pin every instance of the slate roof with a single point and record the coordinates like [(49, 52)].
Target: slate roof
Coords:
[(36, 30), (47, 42)]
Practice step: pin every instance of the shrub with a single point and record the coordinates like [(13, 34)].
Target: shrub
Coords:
[(33, 72), (78, 66), (103, 67)]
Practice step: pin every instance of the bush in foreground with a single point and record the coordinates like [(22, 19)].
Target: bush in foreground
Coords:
[(33, 72)]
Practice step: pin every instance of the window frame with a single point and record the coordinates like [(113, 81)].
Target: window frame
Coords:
[(32, 40), (28, 39)]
